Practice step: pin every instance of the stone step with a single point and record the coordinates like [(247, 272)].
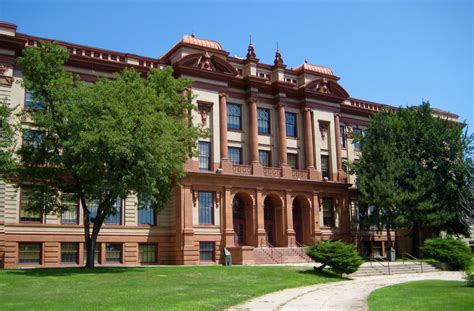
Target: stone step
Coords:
[(408, 268)]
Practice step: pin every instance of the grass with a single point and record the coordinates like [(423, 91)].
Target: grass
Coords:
[(150, 288), (429, 295)]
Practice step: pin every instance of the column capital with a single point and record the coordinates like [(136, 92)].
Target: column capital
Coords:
[(252, 99), (222, 94), (307, 109), (280, 105)]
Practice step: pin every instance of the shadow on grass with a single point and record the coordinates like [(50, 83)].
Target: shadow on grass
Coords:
[(72, 271), (325, 273)]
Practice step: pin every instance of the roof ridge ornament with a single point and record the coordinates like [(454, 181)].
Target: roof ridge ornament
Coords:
[(278, 59), (250, 50)]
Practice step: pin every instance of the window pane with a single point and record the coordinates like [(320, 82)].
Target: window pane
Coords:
[(342, 132), (293, 160), (290, 124), (235, 155), (30, 253), (92, 206), (32, 139), (146, 213), (206, 204), (71, 209), (263, 121), (233, 117), (30, 104), (204, 155), (31, 197), (147, 253), (357, 132), (328, 212), (264, 157), (325, 166), (115, 217), (206, 251), (69, 252), (113, 252)]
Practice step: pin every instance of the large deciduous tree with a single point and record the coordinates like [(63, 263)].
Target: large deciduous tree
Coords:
[(101, 141), (414, 172)]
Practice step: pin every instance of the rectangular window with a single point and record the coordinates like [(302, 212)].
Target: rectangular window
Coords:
[(235, 155), (292, 160), (358, 133), (32, 139), (263, 121), (113, 252), (204, 155), (92, 206), (30, 103), (115, 217), (70, 214), (30, 253), (234, 117), (290, 124), (206, 251), (69, 252), (342, 133), (147, 253), (206, 204), (328, 212), (264, 156), (325, 166), (31, 199), (98, 251), (146, 213), (344, 164)]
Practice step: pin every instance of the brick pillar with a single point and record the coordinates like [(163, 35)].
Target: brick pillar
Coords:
[(189, 251), (308, 143), (315, 219), (282, 151), (257, 168), (225, 164), (228, 218), (288, 208)]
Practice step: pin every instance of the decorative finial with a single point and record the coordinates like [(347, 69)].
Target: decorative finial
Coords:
[(305, 61), (278, 59), (193, 35), (250, 50)]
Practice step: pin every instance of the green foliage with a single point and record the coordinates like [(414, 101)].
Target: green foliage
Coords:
[(414, 172), (340, 256), (7, 131), (449, 250), (470, 278), (103, 140)]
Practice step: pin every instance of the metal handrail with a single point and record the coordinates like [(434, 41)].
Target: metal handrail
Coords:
[(413, 257), (273, 251), (299, 248), (380, 262)]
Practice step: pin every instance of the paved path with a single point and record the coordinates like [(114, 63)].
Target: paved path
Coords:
[(338, 296)]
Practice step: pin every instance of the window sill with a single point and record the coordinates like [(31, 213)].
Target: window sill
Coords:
[(206, 226), (234, 130)]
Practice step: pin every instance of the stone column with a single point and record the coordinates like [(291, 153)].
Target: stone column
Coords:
[(228, 218), (282, 152), (308, 143), (338, 146), (288, 208), (225, 164), (188, 200), (315, 217), (261, 234), (257, 168)]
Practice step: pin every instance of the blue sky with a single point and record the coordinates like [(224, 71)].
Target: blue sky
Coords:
[(393, 52)]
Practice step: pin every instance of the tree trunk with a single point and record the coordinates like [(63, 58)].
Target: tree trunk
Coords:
[(416, 239), (90, 248), (389, 240)]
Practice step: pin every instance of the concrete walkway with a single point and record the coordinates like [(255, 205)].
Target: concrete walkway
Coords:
[(345, 295)]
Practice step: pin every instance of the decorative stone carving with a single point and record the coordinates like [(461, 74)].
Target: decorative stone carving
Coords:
[(204, 109), (323, 129), (322, 87), (205, 62), (4, 79)]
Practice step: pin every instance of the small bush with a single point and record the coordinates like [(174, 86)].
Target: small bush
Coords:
[(470, 278), (449, 250), (340, 256)]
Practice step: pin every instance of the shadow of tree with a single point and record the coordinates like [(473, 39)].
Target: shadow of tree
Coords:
[(72, 271), (326, 273)]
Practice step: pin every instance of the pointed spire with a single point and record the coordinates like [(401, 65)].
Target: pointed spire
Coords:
[(250, 50), (278, 59)]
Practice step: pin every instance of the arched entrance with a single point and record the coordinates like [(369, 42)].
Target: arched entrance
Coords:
[(301, 219), (273, 219), (242, 204)]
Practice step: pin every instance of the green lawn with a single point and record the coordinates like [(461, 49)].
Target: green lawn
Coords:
[(423, 295), (151, 288)]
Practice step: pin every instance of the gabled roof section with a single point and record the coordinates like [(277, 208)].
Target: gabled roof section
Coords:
[(211, 44), (315, 69)]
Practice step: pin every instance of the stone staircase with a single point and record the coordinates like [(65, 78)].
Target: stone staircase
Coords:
[(382, 268), (280, 255)]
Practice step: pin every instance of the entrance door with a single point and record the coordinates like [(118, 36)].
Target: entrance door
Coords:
[(269, 222), (238, 213), (298, 223)]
